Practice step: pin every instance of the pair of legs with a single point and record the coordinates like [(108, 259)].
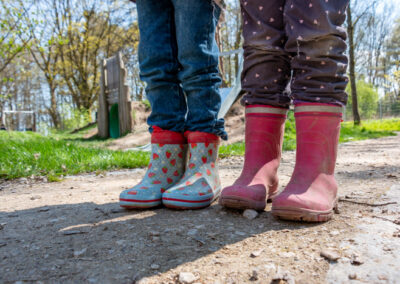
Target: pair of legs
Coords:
[(178, 59), (301, 41)]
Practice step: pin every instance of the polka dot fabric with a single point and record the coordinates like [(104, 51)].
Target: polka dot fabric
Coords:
[(301, 42)]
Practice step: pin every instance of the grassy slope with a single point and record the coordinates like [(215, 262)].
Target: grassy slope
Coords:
[(26, 154)]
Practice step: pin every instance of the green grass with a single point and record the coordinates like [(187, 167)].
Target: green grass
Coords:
[(27, 154), (368, 130)]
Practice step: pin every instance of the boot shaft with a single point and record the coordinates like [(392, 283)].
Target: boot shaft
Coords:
[(317, 132)]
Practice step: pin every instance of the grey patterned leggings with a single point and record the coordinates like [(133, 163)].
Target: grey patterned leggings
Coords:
[(301, 40)]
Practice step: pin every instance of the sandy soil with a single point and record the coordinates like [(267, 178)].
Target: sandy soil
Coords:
[(74, 231)]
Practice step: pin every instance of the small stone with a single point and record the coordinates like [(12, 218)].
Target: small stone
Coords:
[(382, 277), (256, 253), (154, 233), (80, 252), (330, 255), (154, 266), (192, 232), (250, 214), (35, 197), (186, 278), (356, 260), (352, 276), (44, 209), (2, 226), (120, 242), (2, 244), (254, 276), (288, 254), (240, 233), (283, 276), (334, 233)]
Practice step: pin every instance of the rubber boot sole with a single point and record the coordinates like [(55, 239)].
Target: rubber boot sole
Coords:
[(139, 204), (237, 202), (182, 204), (304, 215)]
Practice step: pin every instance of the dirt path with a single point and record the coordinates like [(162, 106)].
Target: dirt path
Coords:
[(75, 232)]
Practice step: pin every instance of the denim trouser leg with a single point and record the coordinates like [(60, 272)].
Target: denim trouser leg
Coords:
[(306, 37), (159, 66), (195, 23)]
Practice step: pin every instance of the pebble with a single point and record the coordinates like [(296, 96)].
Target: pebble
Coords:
[(154, 266), (330, 255), (256, 253), (356, 260), (254, 276), (35, 197), (240, 233), (283, 275), (352, 276), (250, 214), (288, 254), (186, 278), (334, 233), (44, 209), (192, 232), (2, 244), (80, 252)]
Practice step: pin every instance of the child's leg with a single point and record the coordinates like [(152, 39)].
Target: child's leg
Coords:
[(195, 23), (266, 70), (159, 69), (198, 55), (265, 75), (159, 66), (317, 41)]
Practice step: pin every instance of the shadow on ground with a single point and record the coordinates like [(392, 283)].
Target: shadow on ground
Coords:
[(103, 243)]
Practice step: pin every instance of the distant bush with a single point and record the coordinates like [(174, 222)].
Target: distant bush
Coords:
[(368, 98)]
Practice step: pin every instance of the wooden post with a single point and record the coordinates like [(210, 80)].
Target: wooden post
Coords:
[(102, 115), (124, 100)]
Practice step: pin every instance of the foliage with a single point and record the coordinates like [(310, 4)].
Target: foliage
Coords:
[(12, 32), (26, 154), (73, 118), (367, 100)]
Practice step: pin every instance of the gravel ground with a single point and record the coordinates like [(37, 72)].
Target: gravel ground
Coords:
[(74, 231)]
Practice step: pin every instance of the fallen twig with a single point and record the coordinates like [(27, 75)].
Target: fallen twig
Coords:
[(397, 222), (366, 203)]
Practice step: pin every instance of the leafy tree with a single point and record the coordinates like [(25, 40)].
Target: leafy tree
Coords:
[(367, 99), (13, 39)]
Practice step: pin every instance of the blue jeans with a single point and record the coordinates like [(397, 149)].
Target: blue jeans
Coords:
[(178, 58)]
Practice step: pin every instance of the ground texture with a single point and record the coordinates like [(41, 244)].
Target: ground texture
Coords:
[(75, 232)]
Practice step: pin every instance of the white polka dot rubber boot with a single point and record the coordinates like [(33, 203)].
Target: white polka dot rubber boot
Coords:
[(165, 169), (200, 185)]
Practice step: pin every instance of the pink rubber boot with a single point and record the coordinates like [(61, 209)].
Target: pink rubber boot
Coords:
[(311, 193), (259, 180)]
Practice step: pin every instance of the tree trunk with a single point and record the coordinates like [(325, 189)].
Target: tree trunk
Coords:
[(53, 112), (352, 62)]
